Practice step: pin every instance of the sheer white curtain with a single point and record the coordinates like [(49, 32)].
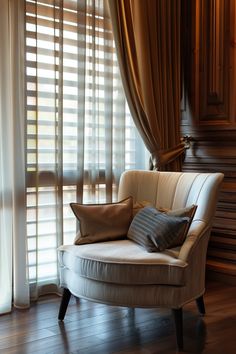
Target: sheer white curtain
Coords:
[(66, 133), (80, 135), (13, 270)]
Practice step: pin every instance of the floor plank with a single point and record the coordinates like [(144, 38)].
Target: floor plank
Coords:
[(91, 328)]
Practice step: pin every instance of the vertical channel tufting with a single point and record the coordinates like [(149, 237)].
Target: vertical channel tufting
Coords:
[(196, 188), (147, 184), (170, 190), (183, 188), (206, 193), (166, 189), (141, 185)]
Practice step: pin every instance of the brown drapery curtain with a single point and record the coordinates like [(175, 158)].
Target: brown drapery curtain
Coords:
[(147, 37)]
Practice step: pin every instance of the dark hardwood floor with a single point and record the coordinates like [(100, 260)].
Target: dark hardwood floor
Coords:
[(95, 328)]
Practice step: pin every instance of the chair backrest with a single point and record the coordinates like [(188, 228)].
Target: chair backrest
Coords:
[(173, 190)]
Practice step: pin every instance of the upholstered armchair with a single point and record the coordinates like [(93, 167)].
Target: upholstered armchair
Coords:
[(121, 272)]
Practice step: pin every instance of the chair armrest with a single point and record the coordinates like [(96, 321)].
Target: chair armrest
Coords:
[(198, 230)]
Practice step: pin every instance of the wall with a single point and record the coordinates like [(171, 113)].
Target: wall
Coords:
[(209, 115)]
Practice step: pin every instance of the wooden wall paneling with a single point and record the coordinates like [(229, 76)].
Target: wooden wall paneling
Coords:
[(209, 116), (214, 62)]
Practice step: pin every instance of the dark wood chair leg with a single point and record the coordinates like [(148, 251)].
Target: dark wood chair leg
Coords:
[(64, 303), (201, 305), (178, 319)]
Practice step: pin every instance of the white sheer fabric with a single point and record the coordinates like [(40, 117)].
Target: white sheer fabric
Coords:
[(74, 129), (13, 280), (80, 135)]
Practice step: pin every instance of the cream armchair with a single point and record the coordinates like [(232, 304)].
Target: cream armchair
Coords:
[(123, 273)]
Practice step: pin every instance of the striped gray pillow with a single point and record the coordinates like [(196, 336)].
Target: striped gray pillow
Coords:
[(154, 230)]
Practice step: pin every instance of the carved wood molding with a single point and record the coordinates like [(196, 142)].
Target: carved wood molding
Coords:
[(215, 29), (209, 77), (213, 61)]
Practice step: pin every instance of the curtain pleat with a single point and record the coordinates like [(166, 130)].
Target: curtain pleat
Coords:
[(13, 259), (81, 58), (147, 37)]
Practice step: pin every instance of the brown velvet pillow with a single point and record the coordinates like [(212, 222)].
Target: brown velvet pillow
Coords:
[(103, 222)]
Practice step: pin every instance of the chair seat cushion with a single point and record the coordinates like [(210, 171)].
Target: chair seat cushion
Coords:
[(123, 262)]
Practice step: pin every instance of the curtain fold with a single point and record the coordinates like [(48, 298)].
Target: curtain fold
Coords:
[(147, 37), (13, 259)]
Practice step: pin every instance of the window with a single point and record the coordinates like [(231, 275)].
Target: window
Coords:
[(80, 135)]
